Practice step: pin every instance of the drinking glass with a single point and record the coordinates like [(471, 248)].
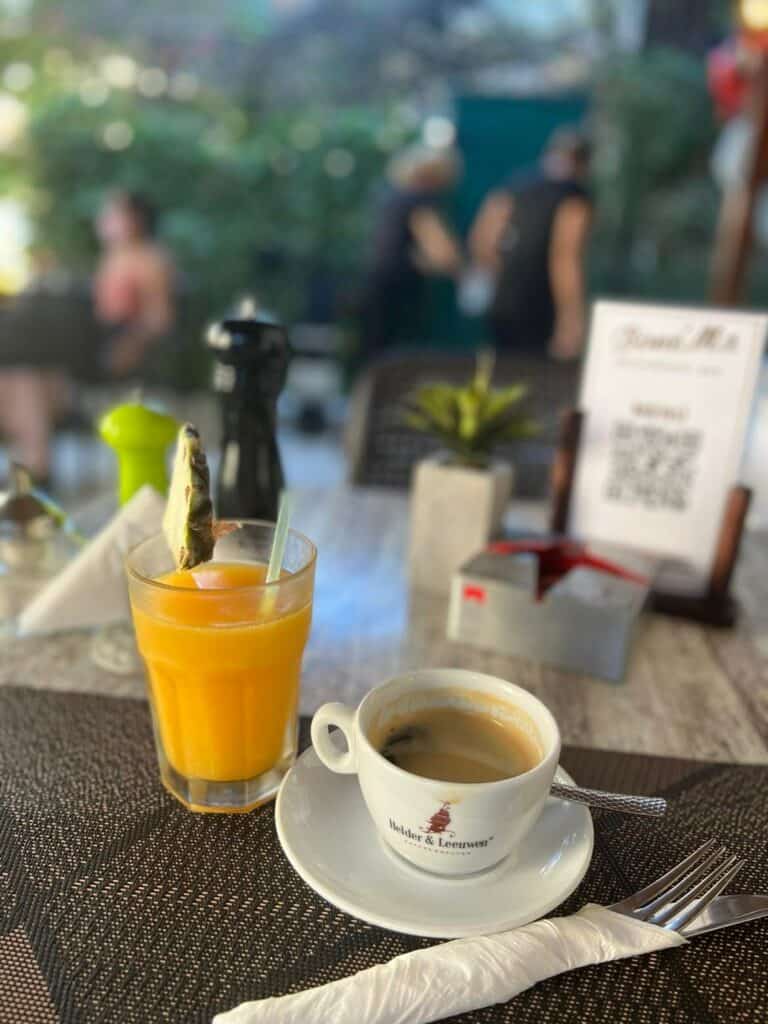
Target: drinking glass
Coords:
[(223, 662)]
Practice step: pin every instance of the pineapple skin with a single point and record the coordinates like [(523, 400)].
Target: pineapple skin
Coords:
[(188, 520)]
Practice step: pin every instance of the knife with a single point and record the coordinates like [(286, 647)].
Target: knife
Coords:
[(725, 911)]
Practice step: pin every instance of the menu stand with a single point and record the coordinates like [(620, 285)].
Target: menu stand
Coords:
[(716, 606)]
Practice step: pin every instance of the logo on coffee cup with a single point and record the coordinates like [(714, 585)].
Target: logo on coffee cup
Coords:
[(440, 821), (434, 834)]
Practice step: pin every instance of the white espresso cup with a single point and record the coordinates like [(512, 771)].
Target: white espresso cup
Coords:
[(448, 828)]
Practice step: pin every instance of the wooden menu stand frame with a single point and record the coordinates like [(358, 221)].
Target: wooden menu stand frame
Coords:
[(715, 607)]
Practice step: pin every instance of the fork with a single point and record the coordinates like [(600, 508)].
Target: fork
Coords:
[(675, 900), (441, 981)]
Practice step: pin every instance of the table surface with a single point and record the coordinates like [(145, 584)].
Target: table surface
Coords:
[(690, 691), (116, 904)]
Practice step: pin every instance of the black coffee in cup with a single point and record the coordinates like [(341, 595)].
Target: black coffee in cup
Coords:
[(456, 745)]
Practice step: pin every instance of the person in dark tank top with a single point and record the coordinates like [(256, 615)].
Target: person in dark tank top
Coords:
[(531, 236), (411, 242)]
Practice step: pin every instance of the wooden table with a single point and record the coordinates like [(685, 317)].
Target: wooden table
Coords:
[(690, 691)]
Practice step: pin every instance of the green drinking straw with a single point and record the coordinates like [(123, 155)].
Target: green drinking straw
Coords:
[(278, 550), (284, 511)]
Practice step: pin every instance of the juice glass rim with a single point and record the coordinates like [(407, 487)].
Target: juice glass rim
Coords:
[(254, 587)]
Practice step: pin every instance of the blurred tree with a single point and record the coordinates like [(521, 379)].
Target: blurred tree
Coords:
[(657, 204), (261, 127), (692, 27), (240, 210), (263, 52), (399, 48), (206, 111)]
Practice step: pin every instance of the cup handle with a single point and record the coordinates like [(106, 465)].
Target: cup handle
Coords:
[(342, 761)]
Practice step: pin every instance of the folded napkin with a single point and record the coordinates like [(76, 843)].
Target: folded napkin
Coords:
[(91, 590), (462, 975)]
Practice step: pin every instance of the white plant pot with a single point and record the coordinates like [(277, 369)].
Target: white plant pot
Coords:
[(454, 513)]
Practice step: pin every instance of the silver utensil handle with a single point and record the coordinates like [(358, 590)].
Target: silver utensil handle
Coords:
[(725, 911), (624, 803)]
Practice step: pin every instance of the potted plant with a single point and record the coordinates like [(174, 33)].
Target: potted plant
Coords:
[(458, 496)]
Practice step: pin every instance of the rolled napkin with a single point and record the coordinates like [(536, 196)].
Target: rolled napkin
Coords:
[(463, 975), (91, 590)]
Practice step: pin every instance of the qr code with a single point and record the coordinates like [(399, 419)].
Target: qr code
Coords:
[(652, 466)]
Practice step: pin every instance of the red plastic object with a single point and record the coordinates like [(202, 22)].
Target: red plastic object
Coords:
[(727, 82), (556, 558)]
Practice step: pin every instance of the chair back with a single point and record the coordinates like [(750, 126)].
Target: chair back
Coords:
[(383, 449)]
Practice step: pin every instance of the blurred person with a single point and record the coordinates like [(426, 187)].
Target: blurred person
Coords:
[(411, 243), (31, 396), (132, 307), (134, 283), (30, 400), (531, 236)]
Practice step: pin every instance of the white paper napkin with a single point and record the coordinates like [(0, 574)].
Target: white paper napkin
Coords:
[(462, 975), (91, 590)]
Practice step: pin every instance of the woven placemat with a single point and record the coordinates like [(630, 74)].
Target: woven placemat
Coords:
[(117, 905)]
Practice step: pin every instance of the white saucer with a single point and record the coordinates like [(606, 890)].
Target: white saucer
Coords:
[(328, 837)]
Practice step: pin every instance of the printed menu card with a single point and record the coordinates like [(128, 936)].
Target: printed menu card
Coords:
[(667, 394)]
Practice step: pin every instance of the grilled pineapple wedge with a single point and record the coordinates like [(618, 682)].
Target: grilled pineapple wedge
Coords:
[(188, 520)]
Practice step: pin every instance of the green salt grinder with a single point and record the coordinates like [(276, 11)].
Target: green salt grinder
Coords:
[(140, 437)]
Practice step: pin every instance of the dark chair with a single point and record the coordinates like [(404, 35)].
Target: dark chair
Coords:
[(382, 449), (51, 328), (55, 328)]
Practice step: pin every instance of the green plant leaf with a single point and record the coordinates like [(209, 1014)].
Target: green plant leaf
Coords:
[(471, 420)]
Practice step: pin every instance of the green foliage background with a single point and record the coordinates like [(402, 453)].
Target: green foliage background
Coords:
[(241, 209), (657, 203), (248, 203)]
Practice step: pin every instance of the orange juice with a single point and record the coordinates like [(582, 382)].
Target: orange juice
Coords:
[(223, 657)]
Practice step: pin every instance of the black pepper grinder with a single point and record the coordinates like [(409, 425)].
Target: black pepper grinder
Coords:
[(252, 352)]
